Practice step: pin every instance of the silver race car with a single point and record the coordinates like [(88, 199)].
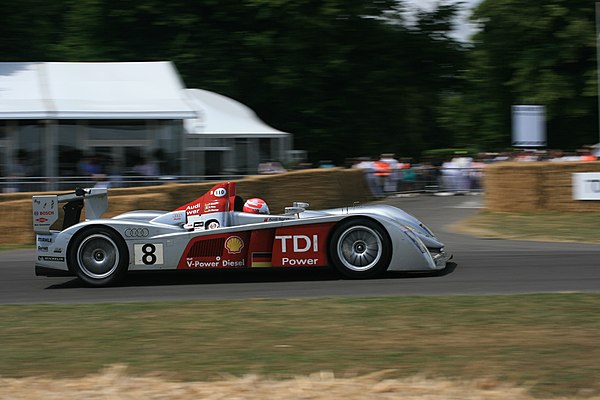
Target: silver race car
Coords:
[(214, 231)]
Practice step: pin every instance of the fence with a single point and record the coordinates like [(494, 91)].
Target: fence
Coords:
[(44, 183), (413, 180), (426, 180)]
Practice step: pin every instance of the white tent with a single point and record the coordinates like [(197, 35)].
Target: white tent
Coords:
[(21, 92), (56, 90), (126, 110), (218, 114)]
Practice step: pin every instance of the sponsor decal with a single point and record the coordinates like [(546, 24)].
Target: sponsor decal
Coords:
[(299, 261), (301, 245), (178, 217), (41, 220), (216, 263), (220, 192), (148, 254), (137, 232), (273, 219), (193, 209), (36, 213), (261, 259), (192, 263), (239, 263), (298, 243), (234, 244), (39, 202), (50, 258), (45, 239), (58, 250), (43, 249), (213, 206)]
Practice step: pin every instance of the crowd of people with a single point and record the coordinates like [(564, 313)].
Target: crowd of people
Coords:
[(385, 174), (458, 174), (102, 171)]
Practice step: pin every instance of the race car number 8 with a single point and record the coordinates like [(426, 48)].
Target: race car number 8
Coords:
[(148, 254)]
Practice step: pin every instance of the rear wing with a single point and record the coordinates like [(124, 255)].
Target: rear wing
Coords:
[(45, 208)]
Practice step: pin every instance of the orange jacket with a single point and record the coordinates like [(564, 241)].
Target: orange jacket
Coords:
[(382, 168)]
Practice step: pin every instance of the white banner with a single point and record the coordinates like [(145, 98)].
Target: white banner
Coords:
[(529, 126), (586, 186)]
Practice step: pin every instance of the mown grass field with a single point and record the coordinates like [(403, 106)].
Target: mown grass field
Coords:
[(548, 342), (561, 227)]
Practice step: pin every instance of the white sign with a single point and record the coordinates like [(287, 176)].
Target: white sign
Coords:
[(45, 213), (528, 126), (148, 254), (586, 186)]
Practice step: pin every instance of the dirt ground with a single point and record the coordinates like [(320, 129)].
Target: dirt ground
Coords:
[(115, 383)]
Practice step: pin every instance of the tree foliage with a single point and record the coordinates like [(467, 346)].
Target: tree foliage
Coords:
[(529, 53)]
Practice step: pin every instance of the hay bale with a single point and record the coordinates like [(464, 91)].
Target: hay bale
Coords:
[(322, 188), (535, 187), (17, 222)]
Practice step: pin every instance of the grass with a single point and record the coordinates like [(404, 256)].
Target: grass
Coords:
[(553, 227), (548, 342)]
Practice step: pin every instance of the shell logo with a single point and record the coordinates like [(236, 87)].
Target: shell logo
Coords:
[(234, 245)]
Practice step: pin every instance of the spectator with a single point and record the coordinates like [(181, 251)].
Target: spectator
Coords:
[(19, 170), (146, 168), (382, 172), (89, 166), (390, 183), (270, 168), (368, 166), (326, 164)]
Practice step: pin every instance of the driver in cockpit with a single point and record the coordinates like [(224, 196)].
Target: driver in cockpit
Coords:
[(256, 206)]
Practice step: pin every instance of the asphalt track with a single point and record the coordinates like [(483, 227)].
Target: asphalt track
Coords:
[(484, 266)]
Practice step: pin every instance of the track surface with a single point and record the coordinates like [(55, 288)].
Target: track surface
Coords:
[(484, 267)]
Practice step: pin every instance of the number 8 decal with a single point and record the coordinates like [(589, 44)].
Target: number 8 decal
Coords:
[(148, 254)]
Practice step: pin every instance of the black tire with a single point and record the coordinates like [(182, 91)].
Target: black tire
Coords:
[(99, 256), (360, 248)]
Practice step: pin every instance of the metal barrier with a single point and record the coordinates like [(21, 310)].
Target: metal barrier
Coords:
[(44, 183), (413, 180), (426, 180)]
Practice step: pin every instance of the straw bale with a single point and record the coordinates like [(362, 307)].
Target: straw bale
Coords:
[(17, 222), (322, 188), (534, 187), (115, 383)]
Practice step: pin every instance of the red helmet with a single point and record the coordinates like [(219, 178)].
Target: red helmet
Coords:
[(256, 206)]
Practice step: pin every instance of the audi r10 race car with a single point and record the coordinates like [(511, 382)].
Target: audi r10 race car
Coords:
[(213, 231)]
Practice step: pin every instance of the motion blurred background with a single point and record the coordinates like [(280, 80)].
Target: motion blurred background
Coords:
[(346, 78)]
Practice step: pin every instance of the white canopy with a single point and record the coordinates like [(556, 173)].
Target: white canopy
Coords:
[(21, 94), (130, 90), (218, 114)]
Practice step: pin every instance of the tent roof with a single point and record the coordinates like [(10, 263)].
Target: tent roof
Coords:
[(55, 90), (218, 114)]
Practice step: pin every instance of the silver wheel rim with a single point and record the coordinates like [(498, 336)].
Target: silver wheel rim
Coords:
[(359, 248), (98, 256)]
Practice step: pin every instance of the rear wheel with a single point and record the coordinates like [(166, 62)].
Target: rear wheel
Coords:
[(360, 248), (99, 256)]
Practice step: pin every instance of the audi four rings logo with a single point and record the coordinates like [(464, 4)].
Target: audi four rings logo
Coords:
[(137, 232)]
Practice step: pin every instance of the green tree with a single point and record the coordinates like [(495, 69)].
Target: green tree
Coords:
[(29, 29), (529, 53)]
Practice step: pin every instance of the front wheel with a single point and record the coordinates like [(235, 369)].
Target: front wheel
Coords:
[(99, 256), (360, 248)]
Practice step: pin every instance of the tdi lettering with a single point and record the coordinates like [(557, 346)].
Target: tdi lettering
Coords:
[(300, 243)]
